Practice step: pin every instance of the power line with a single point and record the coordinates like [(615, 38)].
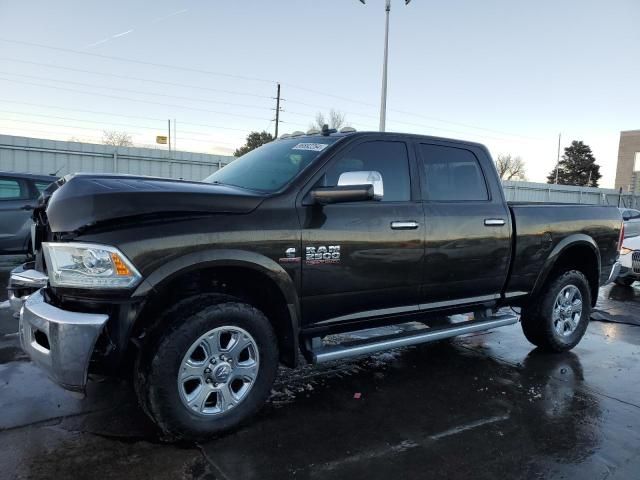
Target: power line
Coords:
[(140, 62), (209, 72), (109, 124), (55, 107), (49, 132), (94, 129), (139, 92), (134, 99), (140, 79)]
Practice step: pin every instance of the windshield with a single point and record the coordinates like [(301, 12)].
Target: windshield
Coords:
[(273, 165)]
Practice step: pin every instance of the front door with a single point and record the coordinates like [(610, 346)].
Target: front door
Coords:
[(15, 214), (467, 229), (363, 259)]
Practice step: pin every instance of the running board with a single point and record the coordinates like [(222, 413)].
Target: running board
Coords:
[(387, 342)]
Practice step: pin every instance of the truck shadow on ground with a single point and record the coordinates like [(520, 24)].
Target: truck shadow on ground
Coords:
[(444, 407)]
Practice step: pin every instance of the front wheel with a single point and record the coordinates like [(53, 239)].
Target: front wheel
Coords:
[(209, 370), (558, 318)]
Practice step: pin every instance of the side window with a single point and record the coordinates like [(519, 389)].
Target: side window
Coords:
[(452, 174), (390, 159), (40, 186), (635, 214), (10, 189)]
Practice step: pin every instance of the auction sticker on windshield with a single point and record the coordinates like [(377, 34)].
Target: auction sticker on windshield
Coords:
[(314, 147)]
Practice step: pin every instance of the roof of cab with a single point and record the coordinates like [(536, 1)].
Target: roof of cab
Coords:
[(381, 134)]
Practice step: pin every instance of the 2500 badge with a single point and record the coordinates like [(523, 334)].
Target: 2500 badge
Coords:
[(323, 254)]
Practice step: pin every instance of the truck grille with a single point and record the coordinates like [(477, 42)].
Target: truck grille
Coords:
[(635, 262)]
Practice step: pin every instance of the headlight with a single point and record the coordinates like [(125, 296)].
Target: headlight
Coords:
[(88, 265), (625, 251)]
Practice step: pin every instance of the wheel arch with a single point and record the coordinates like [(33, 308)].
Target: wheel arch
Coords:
[(577, 252), (249, 276)]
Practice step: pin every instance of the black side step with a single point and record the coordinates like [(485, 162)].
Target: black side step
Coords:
[(328, 353)]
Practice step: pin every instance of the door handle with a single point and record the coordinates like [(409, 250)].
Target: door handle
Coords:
[(404, 225), (494, 222)]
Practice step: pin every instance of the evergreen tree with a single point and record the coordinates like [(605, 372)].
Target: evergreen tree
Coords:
[(577, 167), (254, 140)]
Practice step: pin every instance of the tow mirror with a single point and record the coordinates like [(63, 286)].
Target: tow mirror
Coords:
[(358, 186), (372, 178)]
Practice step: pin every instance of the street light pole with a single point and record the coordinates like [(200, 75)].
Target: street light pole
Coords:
[(383, 95)]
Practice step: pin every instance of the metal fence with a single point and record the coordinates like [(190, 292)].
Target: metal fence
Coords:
[(36, 155), (545, 193)]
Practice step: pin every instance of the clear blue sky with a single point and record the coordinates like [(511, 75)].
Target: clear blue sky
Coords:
[(511, 74)]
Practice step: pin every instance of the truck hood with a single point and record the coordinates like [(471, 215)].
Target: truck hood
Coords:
[(82, 200)]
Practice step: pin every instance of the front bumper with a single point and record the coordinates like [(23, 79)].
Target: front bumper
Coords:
[(59, 341), (24, 280)]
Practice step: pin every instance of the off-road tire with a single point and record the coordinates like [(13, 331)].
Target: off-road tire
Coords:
[(537, 318), (164, 347)]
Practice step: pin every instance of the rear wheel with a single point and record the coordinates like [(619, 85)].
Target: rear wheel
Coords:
[(209, 370), (558, 318)]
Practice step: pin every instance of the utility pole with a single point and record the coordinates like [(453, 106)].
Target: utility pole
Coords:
[(175, 137), (558, 159), (277, 110), (169, 135)]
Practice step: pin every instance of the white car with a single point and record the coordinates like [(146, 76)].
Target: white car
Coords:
[(630, 261), (631, 219)]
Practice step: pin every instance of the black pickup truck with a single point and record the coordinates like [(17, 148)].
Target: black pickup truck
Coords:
[(204, 288)]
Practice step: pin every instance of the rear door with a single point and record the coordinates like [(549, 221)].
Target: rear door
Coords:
[(363, 259), (15, 217), (467, 225)]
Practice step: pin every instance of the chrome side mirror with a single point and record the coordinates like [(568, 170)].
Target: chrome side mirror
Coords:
[(372, 178)]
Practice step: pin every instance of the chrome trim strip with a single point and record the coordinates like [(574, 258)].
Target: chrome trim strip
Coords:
[(458, 301), (515, 294), (372, 313), (408, 309), (336, 352)]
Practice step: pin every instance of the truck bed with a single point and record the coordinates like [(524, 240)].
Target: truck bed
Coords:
[(540, 230)]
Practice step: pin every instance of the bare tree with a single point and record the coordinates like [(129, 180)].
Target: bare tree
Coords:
[(336, 120), (117, 139), (510, 168)]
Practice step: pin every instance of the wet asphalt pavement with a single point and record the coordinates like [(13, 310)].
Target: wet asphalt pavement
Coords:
[(482, 406)]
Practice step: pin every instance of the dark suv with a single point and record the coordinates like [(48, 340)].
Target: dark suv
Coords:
[(18, 197)]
